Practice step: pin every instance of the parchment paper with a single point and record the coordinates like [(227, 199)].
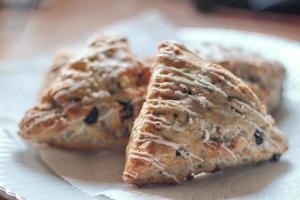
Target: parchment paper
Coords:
[(100, 173)]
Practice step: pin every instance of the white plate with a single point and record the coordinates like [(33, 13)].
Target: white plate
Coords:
[(22, 171)]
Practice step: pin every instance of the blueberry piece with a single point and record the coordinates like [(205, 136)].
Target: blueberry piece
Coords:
[(127, 110), (181, 150), (258, 137), (275, 157), (175, 115), (178, 153), (92, 116), (187, 91)]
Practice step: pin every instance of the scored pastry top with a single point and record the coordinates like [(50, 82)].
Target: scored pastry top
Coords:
[(197, 117), (245, 64), (263, 75), (103, 86)]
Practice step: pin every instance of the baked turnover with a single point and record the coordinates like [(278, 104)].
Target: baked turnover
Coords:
[(89, 101), (197, 117), (264, 76)]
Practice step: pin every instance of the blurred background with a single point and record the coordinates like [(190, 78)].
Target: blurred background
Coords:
[(31, 27)]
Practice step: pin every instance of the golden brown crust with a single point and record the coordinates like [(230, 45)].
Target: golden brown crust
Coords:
[(90, 101), (60, 61), (197, 117), (264, 76)]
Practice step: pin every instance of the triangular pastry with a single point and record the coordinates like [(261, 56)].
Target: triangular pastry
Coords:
[(197, 117), (90, 101), (59, 63), (264, 76)]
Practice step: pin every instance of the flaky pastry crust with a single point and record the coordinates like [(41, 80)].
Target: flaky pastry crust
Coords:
[(197, 117), (89, 101)]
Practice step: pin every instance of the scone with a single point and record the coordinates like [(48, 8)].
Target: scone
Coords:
[(91, 100), (265, 77), (60, 61), (197, 117)]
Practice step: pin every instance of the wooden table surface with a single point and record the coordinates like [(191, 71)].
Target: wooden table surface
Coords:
[(57, 23)]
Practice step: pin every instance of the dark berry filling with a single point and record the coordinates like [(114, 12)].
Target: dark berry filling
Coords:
[(128, 108), (258, 137), (92, 116), (275, 157)]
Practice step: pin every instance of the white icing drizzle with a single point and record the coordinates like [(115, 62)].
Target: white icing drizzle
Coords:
[(169, 175), (229, 151), (130, 174), (206, 134), (149, 158), (274, 144), (80, 130), (174, 145), (75, 86), (170, 105), (180, 88), (200, 84), (160, 119), (249, 146), (40, 119), (156, 139)]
